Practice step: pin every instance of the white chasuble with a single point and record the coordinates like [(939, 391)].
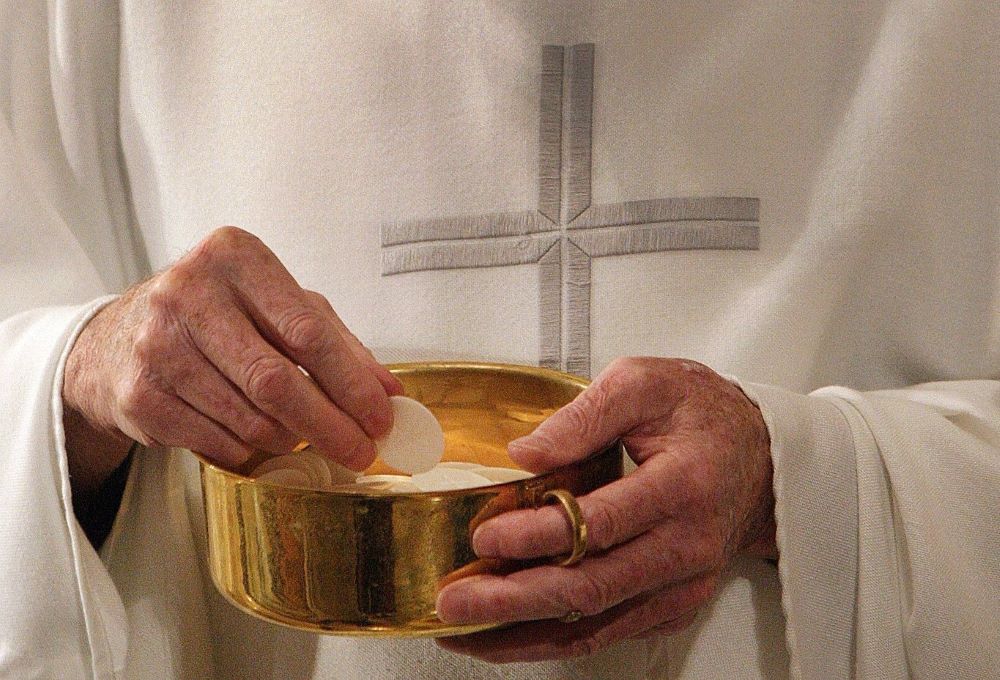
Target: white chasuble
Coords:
[(801, 197)]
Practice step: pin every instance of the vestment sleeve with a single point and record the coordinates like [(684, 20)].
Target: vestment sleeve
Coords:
[(65, 247), (888, 515)]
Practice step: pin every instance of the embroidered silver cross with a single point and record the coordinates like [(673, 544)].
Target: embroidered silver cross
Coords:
[(565, 232)]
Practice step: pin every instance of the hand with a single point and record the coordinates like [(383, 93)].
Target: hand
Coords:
[(205, 355), (658, 538)]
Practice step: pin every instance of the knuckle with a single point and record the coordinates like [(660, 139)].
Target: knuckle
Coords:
[(630, 373), (582, 416), (167, 292), (594, 416), (659, 496), (220, 247), (158, 352), (179, 298), (318, 301), (696, 371), (619, 365), (305, 333), (607, 521), (618, 375), (228, 237), (138, 399), (670, 379), (266, 381), (590, 594), (615, 388), (146, 343)]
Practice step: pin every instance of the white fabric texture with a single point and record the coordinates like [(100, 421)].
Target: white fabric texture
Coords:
[(61, 610), (868, 134), (62, 614)]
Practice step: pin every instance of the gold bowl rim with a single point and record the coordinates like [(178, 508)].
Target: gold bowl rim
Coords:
[(423, 366)]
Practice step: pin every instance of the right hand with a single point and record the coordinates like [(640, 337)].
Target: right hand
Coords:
[(206, 354)]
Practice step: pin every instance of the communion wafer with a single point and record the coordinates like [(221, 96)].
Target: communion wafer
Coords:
[(335, 472), (415, 443), (499, 475), (338, 473), (288, 461), (443, 478), (287, 477), (311, 464), (319, 471)]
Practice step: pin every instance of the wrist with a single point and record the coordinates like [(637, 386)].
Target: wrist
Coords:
[(92, 453), (94, 445), (764, 545), (759, 528)]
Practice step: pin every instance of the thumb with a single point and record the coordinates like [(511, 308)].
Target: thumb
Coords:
[(597, 417)]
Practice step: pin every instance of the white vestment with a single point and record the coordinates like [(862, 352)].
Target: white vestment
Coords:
[(801, 195)]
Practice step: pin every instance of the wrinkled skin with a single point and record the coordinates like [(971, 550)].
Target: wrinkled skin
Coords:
[(205, 355), (658, 539)]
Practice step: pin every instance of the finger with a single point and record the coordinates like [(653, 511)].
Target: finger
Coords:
[(633, 393), (665, 611), (278, 388), (583, 426), (598, 583), (614, 513), (207, 391), (161, 419), (389, 382), (593, 420), (289, 319)]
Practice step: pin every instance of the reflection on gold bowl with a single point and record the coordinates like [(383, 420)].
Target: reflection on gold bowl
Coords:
[(357, 563)]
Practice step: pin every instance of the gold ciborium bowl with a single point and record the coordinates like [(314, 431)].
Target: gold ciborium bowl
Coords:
[(359, 562)]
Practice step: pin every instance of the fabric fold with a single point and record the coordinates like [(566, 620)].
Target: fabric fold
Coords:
[(929, 577), (884, 502), (58, 599), (815, 488)]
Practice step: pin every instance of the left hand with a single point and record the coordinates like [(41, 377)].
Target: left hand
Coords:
[(658, 539)]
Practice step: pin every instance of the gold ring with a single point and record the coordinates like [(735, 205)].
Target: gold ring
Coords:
[(572, 508), (572, 617)]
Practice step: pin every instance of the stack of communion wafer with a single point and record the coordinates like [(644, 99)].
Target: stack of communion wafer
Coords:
[(414, 446)]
